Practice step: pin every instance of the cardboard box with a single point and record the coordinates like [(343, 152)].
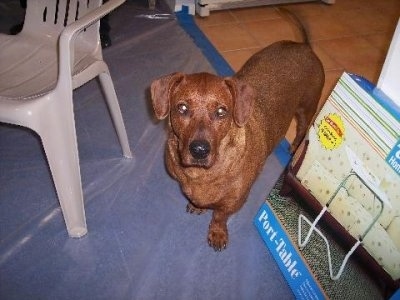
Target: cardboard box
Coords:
[(359, 117)]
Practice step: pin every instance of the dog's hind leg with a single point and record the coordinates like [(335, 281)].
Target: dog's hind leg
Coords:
[(303, 119), (306, 110)]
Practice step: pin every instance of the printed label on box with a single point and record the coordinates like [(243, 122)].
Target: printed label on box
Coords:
[(296, 273), (393, 159)]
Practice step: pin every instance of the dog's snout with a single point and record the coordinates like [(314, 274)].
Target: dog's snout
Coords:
[(199, 149)]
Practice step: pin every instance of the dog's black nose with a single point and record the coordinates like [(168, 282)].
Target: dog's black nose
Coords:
[(199, 149)]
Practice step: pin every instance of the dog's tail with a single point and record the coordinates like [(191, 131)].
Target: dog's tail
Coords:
[(296, 20)]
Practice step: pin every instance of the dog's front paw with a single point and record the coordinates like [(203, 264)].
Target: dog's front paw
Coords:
[(217, 237), (190, 208)]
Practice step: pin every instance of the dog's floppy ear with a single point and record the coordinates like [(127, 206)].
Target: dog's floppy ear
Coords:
[(243, 97), (161, 90)]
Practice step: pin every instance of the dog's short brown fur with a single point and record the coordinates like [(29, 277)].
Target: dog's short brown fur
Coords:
[(221, 130)]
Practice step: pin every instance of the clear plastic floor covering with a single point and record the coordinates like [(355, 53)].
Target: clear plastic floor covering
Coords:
[(141, 242)]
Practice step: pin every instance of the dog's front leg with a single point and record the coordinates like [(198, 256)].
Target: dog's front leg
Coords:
[(218, 231)]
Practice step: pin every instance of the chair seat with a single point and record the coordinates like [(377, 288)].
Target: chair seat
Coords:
[(29, 68)]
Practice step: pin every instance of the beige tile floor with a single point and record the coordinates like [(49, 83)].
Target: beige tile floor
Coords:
[(350, 35)]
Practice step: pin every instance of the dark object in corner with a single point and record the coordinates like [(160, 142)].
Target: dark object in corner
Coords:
[(104, 28)]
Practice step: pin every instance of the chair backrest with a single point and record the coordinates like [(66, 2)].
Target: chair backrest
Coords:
[(48, 18)]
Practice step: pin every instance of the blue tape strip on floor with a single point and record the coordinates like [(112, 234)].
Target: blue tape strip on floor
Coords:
[(221, 67), (216, 60), (282, 152), (396, 295)]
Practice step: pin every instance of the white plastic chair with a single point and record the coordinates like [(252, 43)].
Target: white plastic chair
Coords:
[(57, 51)]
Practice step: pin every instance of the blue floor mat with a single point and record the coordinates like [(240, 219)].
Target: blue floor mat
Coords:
[(141, 242)]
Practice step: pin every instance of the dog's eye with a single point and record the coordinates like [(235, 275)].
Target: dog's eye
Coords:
[(221, 112), (183, 109)]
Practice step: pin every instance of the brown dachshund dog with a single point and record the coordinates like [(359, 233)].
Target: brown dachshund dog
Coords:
[(221, 130)]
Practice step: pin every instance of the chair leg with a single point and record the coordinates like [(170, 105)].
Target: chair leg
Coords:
[(113, 105), (60, 144)]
